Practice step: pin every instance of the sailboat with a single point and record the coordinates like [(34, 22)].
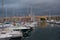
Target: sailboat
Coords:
[(6, 22), (33, 22), (51, 21), (17, 26), (5, 34), (57, 22), (14, 30)]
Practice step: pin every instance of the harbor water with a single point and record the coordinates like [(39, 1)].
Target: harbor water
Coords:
[(45, 31)]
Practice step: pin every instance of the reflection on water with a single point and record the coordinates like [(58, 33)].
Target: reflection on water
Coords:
[(45, 31), (42, 25)]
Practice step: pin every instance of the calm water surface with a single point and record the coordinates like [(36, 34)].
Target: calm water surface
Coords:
[(45, 32)]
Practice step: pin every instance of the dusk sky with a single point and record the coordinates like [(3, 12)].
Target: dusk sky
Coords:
[(39, 7)]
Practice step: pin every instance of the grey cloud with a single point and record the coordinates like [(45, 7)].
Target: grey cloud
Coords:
[(41, 6), (23, 3)]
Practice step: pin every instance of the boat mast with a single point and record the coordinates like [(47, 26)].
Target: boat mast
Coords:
[(14, 19), (6, 14), (31, 14), (13, 13), (49, 15), (3, 10)]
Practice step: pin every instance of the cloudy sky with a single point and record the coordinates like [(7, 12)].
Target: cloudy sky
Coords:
[(39, 7)]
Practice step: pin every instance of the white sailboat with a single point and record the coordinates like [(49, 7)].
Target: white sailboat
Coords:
[(57, 22), (5, 34), (34, 23), (50, 20), (6, 22), (17, 25), (53, 21)]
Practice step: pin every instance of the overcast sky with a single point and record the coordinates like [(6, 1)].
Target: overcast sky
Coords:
[(43, 6)]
